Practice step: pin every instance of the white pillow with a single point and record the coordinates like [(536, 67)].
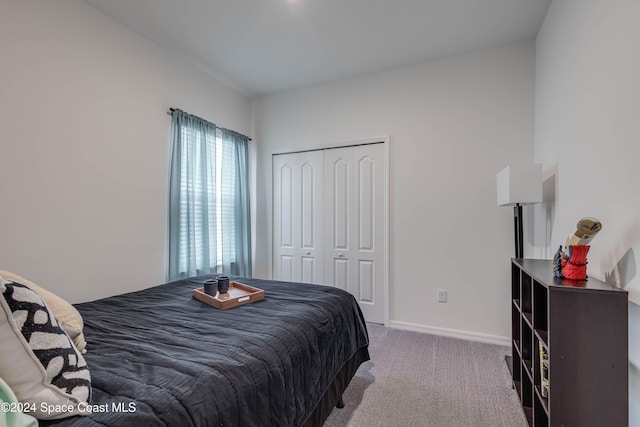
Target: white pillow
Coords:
[(38, 360), (67, 315)]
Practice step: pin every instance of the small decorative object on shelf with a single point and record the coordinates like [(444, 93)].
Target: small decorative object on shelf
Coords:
[(572, 267), (586, 230), (571, 263)]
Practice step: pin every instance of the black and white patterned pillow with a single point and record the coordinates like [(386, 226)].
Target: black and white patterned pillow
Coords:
[(39, 361)]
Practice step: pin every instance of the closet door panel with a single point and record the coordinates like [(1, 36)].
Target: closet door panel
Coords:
[(366, 274), (297, 217), (341, 178), (366, 201), (354, 224)]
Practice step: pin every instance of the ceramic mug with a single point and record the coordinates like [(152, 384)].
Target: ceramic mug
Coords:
[(210, 286), (223, 284)]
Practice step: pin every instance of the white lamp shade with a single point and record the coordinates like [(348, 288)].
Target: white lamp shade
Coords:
[(520, 185)]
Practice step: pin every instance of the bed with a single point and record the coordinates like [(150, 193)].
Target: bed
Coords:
[(160, 357)]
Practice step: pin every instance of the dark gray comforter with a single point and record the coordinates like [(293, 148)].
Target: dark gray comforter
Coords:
[(159, 357)]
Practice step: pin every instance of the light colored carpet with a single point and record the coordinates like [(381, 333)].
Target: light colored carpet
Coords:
[(425, 380)]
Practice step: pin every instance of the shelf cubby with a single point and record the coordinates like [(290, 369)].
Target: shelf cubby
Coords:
[(525, 293), (540, 314), (540, 415), (526, 342), (515, 323)]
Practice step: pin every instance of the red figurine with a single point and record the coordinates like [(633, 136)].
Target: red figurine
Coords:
[(576, 266)]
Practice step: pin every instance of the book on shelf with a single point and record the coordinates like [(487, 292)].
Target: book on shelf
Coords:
[(544, 370)]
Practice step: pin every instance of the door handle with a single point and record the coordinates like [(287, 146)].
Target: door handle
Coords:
[(340, 255), (307, 253)]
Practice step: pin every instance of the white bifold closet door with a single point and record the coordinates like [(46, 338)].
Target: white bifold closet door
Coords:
[(297, 217), (354, 215), (329, 221)]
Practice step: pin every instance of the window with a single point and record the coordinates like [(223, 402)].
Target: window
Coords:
[(208, 202)]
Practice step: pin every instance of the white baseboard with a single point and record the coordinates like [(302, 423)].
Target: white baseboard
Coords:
[(453, 333)]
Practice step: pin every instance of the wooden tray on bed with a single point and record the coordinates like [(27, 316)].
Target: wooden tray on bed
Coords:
[(238, 294)]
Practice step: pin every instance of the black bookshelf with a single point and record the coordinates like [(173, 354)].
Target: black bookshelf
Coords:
[(582, 326)]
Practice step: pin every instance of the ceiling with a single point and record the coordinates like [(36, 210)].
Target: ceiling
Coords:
[(262, 47)]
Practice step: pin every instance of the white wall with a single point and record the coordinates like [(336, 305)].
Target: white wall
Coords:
[(588, 139), (84, 147), (453, 124)]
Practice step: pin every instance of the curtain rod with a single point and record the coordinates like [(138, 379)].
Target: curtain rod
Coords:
[(171, 110)]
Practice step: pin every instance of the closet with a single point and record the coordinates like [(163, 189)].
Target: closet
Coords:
[(330, 221)]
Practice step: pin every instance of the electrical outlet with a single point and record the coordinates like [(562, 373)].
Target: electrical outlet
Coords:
[(442, 295)]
